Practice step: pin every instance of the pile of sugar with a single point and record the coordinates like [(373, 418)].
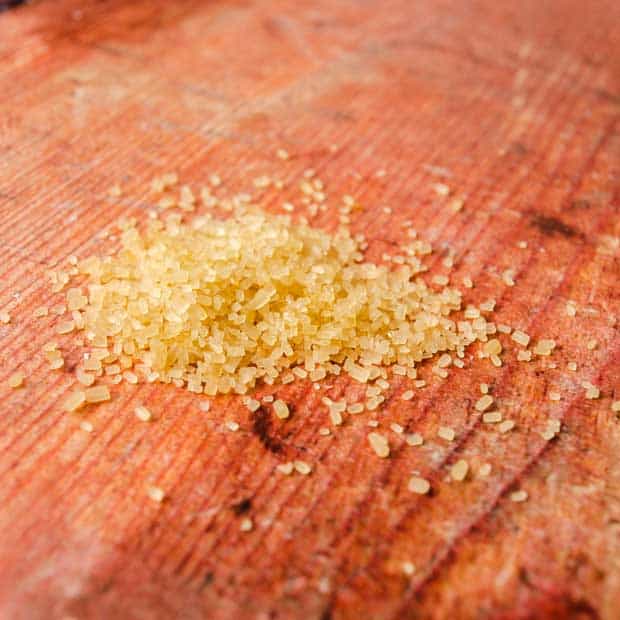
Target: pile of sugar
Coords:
[(217, 305)]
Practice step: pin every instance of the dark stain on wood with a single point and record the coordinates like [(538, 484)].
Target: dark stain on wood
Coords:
[(207, 580), (261, 427), (579, 204), (550, 226), (518, 148), (242, 507)]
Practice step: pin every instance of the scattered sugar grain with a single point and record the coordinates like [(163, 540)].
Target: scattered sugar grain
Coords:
[(418, 485), (484, 402), (508, 277), (303, 468), (143, 413), (130, 377), (86, 426), (488, 306), (281, 409), (58, 362), (485, 470), (459, 470), (84, 377), (285, 468), (246, 525), (408, 568), (414, 439), (495, 360), (156, 494), (506, 426), (252, 404), (544, 347), (441, 189), (520, 337), (518, 496), (97, 394), (492, 417), (379, 444), (16, 380), (335, 417), (456, 204), (65, 327), (74, 401), (447, 433)]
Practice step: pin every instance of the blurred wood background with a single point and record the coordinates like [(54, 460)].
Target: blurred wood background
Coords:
[(516, 107)]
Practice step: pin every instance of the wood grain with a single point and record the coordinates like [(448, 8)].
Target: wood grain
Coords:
[(515, 107)]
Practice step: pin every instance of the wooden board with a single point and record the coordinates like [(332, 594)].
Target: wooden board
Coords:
[(516, 107)]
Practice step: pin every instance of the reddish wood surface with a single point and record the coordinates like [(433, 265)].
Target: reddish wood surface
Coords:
[(516, 106)]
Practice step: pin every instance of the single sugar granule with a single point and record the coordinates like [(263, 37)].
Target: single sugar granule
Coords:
[(142, 413), (301, 467), (379, 444), (97, 394), (75, 401), (485, 470), (484, 402), (414, 439), (16, 380), (447, 433), (459, 470), (506, 426), (544, 347), (156, 494), (285, 468), (86, 426), (281, 409), (408, 568), (418, 485)]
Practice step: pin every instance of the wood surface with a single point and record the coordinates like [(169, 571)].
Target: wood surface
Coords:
[(516, 107)]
